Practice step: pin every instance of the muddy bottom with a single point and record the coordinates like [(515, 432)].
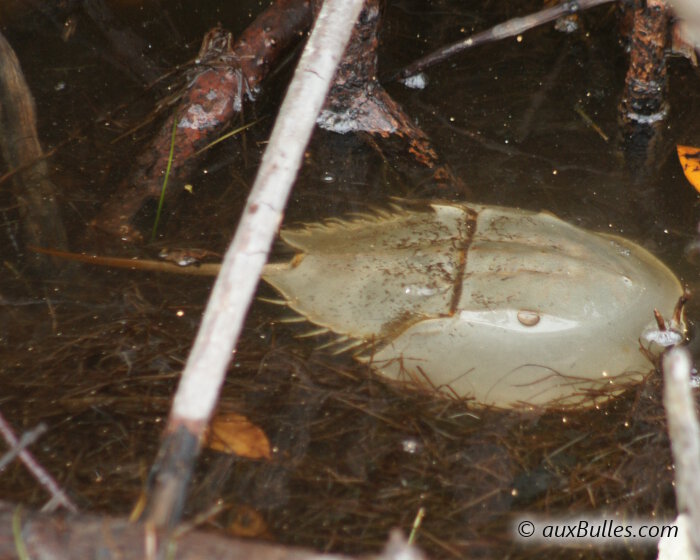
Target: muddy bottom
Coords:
[(95, 354)]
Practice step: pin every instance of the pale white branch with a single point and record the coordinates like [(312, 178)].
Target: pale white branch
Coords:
[(235, 286)]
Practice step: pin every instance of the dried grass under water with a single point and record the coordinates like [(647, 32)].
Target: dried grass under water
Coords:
[(357, 457), (354, 456)]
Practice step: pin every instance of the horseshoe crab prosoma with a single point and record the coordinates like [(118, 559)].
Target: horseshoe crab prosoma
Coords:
[(505, 306)]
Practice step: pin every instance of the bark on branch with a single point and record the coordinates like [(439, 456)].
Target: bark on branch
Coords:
[(67, 537)]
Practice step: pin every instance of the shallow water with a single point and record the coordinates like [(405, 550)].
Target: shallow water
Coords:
[(96, 356)]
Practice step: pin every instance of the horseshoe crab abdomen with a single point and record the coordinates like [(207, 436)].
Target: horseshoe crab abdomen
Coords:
[(364, 277)]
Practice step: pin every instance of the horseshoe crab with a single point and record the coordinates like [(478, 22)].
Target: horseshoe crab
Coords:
[(505, 306)]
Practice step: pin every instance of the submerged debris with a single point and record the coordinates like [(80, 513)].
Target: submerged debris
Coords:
[(352, 456)]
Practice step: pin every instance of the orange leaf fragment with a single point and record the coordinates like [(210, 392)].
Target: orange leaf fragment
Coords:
[(247, 522), (690, 160), (232, 433)]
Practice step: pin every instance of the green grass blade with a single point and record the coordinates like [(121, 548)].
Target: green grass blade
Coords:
[(165, 180)]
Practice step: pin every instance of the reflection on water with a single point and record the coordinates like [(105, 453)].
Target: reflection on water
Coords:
[(95, 353)]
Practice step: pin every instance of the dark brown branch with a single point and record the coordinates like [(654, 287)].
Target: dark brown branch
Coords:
[(226, 76), (644, 106), (358, 103)]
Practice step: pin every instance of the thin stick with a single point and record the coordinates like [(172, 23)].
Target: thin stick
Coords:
[(27, 439), (509, 28), (245, 258), (235, 286), (149, 265), (203, 269), (684, 433), (44, 478)]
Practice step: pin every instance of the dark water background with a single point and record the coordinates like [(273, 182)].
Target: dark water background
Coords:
[(97, 357)]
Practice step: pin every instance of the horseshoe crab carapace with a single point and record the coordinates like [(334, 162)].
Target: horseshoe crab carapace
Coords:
[(505, 306)]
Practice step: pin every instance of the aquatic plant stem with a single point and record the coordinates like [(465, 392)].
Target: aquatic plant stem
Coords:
[(165, 180), (227, 136), (20, 547), (235, 286)]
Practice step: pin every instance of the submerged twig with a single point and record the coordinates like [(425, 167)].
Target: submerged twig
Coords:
[(41, 537), (44, 478), (589, 121), (225, 75), (233, 291), (200, 269), (644, 105), (509, 28), (21, 150), (27, 439)]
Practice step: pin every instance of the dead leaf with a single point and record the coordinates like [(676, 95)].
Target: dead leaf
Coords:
[(690, 160), (247, 522), (232, 433)]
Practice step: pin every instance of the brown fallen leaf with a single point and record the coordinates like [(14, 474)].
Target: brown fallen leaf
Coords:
[(690, 161), (248, 523), (232, 433)]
